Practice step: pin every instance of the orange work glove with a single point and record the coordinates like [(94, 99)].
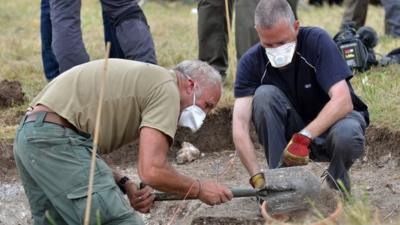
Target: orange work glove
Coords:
[(296, 152)]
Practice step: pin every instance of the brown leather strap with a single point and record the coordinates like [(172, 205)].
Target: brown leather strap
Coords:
[(51, 117)]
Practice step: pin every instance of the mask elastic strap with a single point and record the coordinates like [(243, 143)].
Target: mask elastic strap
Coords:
[(194, 91), (194, 94)]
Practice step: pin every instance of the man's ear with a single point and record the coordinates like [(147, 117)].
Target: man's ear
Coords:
[(296, 26), (190, 86)]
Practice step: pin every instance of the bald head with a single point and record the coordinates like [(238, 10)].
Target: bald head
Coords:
[(269, 12)]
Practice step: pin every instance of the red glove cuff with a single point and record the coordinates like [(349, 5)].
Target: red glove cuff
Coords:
[(296, 152), (301, 139)]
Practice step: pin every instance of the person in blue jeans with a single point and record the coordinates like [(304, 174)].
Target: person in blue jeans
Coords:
[(50, 64), (63, 48)]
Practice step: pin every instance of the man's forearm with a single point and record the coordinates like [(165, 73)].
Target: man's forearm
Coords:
[(154, 169), (332, 112), (339, 105), (245, 148), (242, 111), (166, 178), (249, 160)]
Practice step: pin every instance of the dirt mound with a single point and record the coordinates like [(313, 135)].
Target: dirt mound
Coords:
[(11, 93), (382, 141), (214, 135)]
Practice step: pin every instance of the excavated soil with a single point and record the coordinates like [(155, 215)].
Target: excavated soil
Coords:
[(11, 93), (376, 176)]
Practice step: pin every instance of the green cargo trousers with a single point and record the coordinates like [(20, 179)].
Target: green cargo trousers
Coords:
[(53, 163), (213, 32)]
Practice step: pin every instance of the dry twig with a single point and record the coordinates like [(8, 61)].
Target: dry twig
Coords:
[(96, 137)]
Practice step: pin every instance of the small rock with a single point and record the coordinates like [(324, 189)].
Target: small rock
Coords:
[(369, 188), (393, 164), (394, 188), (383, 160), (187, 153)]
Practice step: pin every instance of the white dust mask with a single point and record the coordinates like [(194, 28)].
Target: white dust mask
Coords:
[(282, 55), (192, 116)]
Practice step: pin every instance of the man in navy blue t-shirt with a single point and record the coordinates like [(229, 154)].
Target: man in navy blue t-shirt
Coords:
[(294, 86)]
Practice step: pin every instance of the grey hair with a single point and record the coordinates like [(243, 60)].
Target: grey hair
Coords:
[(269, 12), (202, 72)]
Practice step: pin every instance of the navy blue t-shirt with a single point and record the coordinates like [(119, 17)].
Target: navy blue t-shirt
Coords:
[(316, 66)]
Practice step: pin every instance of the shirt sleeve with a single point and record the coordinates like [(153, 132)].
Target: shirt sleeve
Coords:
[(330, 64), (247, 76), (161, 110)]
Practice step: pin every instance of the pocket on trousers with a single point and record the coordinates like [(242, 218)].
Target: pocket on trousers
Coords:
[(109, 203), (46, 135)]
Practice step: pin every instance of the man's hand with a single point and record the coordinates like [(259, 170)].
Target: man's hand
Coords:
[(140, 199), (296, 152), (213, 193), (258, 181)]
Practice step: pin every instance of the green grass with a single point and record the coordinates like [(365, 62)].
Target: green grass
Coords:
[(174, 29)]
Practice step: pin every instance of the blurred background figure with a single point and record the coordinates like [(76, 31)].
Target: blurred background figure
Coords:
[(392, 17), (125, 26), (321, 2), (50, 63), (355, 11), (213, 31)]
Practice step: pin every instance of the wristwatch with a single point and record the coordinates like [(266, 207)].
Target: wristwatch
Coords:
[(306, 133), (122, 182)]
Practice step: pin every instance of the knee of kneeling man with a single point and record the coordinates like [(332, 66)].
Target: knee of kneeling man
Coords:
[(353, 142), (265, 94)]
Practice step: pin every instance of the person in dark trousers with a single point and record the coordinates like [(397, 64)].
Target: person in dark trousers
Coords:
[(294, 86), (355, 11), (62, 46), (213, 31), (50, 63), (392, 17)]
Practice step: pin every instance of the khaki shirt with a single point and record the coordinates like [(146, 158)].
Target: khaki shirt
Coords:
[(136, 94)]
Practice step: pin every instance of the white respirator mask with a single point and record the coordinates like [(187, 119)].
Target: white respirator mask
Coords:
[(282, 55), (192, 116)]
